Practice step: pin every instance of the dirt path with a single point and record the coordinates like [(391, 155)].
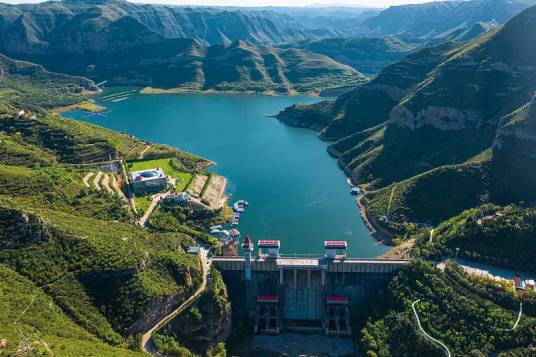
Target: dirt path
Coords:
[(142, 154), (96, 181), (146, 343), (106, 184), (402, 251), (391, 200), (86, 179), (152, 206)]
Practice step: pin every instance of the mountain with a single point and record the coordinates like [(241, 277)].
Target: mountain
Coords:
[(490, 234), (73, 26), (190, 65), (24, 84), (143, 45), (345, 19), (367, 55), (448, 127), (77, 276), (454, 307), (439, 19)]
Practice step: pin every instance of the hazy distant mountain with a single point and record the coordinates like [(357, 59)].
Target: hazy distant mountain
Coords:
[(438, 19), (367, 55), (337, 18), (73, 26)]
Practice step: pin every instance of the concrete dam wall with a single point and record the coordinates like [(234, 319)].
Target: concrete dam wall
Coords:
[(277, 291)]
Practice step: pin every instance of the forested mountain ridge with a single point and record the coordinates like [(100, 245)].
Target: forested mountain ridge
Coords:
[(436, 141), (77, 276), (25, 84), (190, 65)]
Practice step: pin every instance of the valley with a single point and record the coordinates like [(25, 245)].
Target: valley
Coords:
[(262, 181)]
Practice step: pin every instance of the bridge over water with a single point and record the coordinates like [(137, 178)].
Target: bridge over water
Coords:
[(303, 293)]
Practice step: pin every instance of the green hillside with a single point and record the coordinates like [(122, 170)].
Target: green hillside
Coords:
[(445, 129), (28, 313), (190, 65), (84, 279), (470, 315), (24, 84), (501, 236)]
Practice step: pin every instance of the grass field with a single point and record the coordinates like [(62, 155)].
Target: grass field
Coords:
[(183, 177)]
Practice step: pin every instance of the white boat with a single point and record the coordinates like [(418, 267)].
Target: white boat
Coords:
[(238, 208), (223, 234), (236, 220), (215, 231), (355, 191), (218, 227), (243, 203)]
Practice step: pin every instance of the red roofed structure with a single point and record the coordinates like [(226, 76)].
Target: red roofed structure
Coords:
[(341, 244), (268, 298), (269, 248), (334, 249), (337, 300), (269, 244)]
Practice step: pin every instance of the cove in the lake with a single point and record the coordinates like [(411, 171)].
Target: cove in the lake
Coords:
[(296, 191)]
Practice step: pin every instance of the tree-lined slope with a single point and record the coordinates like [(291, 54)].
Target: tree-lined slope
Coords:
[(239, 66), (450, 134)]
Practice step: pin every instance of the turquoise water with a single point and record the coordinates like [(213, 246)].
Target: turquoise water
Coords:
[(296, 191)]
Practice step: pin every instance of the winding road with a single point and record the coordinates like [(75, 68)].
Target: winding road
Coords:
[(434, 340), (146, 340)]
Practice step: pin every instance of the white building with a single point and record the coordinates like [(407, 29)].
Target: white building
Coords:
[(148, 181)]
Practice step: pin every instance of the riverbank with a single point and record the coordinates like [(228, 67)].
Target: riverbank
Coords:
[(263, 160), (86, 105), (178, 90)]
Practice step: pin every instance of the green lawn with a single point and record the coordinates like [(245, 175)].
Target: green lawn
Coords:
[(183, 177)]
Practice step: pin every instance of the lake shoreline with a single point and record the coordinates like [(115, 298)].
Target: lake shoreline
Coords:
[(327, 209)]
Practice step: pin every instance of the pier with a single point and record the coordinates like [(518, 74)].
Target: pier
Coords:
[(303, 294)]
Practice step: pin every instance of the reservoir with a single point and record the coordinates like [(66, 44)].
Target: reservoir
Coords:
[(297, 194)]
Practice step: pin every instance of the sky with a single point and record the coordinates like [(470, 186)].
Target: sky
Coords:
[(371, 3)]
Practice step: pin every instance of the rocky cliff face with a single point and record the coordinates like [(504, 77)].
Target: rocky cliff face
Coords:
[(444, 125), (514, 156), (209, 320)]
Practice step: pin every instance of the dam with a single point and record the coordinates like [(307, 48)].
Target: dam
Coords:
[(302, 293)]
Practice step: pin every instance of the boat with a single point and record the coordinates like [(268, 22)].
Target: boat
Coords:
[(236, 220), (215, 231), (234, 233), (223, 234), (238, 208), (355, 191), (218, 227), (243, 203)]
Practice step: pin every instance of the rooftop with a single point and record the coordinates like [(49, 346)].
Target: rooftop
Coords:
[(147, 175)]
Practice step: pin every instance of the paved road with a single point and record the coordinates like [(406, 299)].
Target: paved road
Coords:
[(146, 343), (152, 206)]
